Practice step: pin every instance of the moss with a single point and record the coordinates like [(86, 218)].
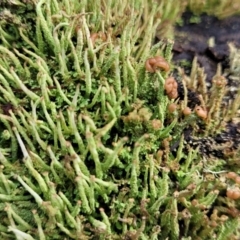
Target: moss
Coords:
[(88, 148)]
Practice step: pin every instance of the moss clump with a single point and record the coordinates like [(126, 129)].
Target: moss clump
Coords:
[(88, 148)]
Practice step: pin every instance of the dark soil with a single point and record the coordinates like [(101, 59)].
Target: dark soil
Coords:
[(192, 39)]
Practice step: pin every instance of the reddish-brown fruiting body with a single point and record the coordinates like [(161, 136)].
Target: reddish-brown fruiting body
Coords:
[(157, 62), (233, 193), (187, 111), (171, 88), (201, 112)]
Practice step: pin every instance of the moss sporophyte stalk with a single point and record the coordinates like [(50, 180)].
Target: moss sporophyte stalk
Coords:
[(102, 136)]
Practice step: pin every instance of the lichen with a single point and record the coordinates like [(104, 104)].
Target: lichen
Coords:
[(89, 148)]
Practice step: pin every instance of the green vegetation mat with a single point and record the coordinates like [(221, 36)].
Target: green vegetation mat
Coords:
[(102, 136)]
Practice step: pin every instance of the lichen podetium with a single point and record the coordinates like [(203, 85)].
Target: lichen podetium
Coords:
[(89, 148)]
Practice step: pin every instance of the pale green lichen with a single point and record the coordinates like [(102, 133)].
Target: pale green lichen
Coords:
[(85, 132)]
